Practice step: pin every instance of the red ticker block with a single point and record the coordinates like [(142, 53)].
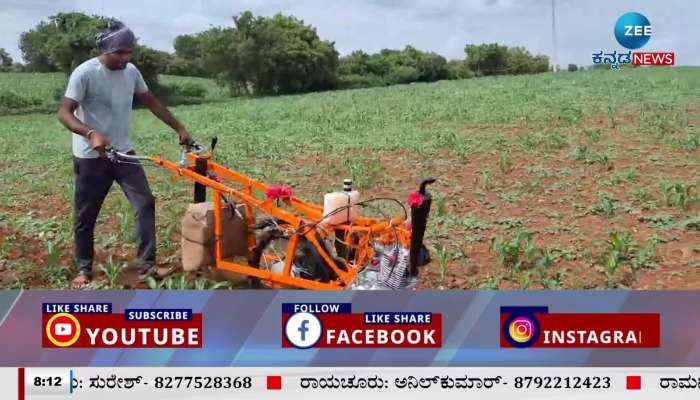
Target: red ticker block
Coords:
[(274, 382), (634, 382)]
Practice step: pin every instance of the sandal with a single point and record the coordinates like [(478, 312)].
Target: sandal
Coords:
[(81, 280), (163, 272), (156, 272)]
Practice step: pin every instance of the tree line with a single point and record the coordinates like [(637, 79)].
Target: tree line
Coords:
[(266, 55)]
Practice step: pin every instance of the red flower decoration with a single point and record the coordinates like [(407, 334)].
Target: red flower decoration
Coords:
[(214, 177), (277, 191), (285, 191), (414, 199), (272, 192)]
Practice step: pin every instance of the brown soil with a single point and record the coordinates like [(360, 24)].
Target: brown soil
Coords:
[(555, 206), (563, 201)]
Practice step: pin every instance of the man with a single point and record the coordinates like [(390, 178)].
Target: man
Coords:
[(96, 108)]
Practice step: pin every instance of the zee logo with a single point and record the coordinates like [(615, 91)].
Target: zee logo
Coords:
[(637, 30), (303, 330), (632, 30)]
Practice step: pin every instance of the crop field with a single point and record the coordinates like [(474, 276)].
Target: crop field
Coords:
[(30, 91), (22, 93), (561, 181)]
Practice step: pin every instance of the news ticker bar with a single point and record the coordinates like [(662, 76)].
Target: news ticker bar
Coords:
[(348, 383)]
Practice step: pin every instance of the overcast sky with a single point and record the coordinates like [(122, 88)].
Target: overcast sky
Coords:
[(442, 26)]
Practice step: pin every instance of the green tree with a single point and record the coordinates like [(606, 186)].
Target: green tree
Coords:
[(487, 59), (218, 51), (35, 51), (274, 55), (520, 61), (180, 66), (5, 61), (188, 47), (495, 59), (458, 69), (573, 68), (391, 66), (149, 62), (380, 63), (188, 58), (432, 67), (540, 64), (63, 42), (68, 39), (355, 63)]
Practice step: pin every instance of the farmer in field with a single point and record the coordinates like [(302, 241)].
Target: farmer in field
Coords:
[(96, 108)]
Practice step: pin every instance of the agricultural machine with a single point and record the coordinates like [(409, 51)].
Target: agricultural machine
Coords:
[(296, 244)]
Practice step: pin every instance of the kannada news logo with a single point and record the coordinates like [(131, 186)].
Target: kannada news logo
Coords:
[(308, 325), (633, 31), (79, 325), (523, 327)]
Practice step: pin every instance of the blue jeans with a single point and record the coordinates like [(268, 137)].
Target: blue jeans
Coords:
[(93, 179)]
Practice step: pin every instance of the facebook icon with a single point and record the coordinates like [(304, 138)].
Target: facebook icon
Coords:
[(303, 330)]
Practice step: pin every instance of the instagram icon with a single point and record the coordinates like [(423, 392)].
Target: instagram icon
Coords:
[(521, 329), (520, 326)]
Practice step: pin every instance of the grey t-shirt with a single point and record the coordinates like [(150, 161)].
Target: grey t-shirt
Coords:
[(105, 98)]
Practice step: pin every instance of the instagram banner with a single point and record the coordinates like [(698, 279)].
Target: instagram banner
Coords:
[(534, 327)]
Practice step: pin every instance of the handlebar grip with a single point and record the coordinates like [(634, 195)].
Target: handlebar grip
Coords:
[(187, 142)]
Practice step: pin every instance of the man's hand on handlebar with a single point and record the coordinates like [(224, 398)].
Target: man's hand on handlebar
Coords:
[(116, 156), (99, 142), (185, 138)]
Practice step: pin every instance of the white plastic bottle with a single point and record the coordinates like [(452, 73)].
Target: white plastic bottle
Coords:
[(335, 200)]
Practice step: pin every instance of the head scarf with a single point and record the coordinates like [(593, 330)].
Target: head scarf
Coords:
[(117, 37)]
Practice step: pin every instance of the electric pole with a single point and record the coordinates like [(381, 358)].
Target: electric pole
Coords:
[(554, 38)]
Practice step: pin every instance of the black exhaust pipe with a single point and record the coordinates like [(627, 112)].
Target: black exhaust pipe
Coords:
[(201, 166), (419, 220), (200, 191)]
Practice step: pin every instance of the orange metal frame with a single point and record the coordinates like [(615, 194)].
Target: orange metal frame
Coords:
[(297, 214)]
